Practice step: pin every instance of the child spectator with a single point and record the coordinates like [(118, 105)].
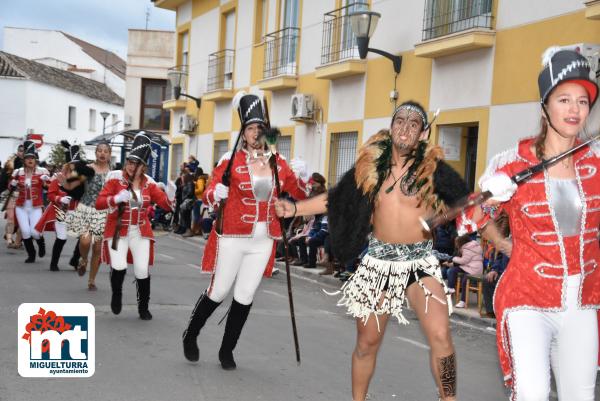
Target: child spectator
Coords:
[(469, 261)]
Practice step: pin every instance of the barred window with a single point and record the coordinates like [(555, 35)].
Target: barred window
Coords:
[(284, 147), (342, 154), (220, 148)]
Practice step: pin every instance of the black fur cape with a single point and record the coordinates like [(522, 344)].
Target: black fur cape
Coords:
[(349, 210)]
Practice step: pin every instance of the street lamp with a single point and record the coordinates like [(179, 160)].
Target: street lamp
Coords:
[(104, 115), (177, 75), (363, 25)]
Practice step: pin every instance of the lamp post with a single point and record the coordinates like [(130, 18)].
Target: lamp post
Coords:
[(363, 25), (177, 75), (104, 115)]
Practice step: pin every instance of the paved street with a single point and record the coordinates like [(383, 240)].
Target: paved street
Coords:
[(137, 360)]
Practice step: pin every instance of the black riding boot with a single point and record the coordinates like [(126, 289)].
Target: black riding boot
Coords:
[(75, 258), (30, 250), (41, 246), (116, 284), (56, 251), (235, 322), (202, 311), (143, 293)]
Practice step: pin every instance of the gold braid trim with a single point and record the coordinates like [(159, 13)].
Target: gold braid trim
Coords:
[(366, 174)]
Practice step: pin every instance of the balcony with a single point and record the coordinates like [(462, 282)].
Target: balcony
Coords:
[(168, 4), (280, 66), (219, 84), (449, 28), (592, 9), (339, 53)]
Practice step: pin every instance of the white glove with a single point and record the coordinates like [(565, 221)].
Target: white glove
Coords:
[(45, 177), (299, 168), (500, 185), (123, 196), (221, 192), (65, 200), (13, 183)]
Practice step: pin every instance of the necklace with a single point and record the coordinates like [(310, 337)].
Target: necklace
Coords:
[(391, 187), (406, 184)]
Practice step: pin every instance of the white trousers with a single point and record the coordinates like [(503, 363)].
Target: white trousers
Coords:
[(566, 341), (28, 216), (140, 251), (243, 261), (60, 228)]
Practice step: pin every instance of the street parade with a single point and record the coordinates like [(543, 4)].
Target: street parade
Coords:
[(425, 229)]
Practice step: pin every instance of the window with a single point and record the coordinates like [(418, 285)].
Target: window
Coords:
[(153, 117), (184, 50), (443, 17), (342, 154), (176, 159), (220, 148), (72, 115), (92, 120), (284, 147)]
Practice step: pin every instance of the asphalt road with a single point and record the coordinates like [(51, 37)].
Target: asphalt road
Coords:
[(143, 360)]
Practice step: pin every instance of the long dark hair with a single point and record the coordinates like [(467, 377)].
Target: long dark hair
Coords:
[(541, 139)]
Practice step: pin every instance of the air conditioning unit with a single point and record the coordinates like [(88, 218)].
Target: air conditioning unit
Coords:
[(302, 107), (187, 123), (592, 53), (128, 120)]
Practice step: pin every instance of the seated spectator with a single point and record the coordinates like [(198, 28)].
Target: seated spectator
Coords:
[(443, 240), (316, 238), (469, 261), (498, 263), (299, 241)]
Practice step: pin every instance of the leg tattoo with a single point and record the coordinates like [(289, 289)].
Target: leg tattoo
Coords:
[(447, 366)]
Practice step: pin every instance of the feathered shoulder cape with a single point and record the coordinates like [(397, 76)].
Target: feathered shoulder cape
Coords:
[(351, 201)]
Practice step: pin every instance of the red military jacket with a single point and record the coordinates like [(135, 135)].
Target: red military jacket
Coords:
[(242, 211), (151, 193), (55, 193), (542, 258), (35, 191)]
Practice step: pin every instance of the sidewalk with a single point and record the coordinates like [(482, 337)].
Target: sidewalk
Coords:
[(465, 315)]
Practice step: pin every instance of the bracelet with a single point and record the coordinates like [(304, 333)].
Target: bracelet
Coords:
[(295, 210)]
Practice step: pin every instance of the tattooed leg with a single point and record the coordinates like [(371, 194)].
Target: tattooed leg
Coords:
[(447, 372)]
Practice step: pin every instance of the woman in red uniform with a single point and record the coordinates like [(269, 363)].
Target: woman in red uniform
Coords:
[(245, 251), (546, 300), (30, 180), (64, 192), (127, 194)]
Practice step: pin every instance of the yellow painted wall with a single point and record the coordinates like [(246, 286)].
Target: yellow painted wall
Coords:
[(518, 53), (413, 83), (319, 88)]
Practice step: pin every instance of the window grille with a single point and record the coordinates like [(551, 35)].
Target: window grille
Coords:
[(443, 17), (342, 155)]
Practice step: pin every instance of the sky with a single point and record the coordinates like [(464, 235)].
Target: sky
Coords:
[(103, 23)]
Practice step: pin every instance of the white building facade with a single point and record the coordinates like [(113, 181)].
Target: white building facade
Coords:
[(39, 99)]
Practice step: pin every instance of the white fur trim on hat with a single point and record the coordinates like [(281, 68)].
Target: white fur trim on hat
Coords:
[(235, 102), (548, 54)]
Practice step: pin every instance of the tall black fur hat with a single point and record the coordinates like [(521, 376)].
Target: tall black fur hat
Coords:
[(250, 108), (29, 149)]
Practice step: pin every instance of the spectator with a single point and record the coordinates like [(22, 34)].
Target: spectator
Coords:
[(298, 241), (192, 164), (187, 204), (199, 184), (498, 263), (469, 261), (178, 200), (443, 239)]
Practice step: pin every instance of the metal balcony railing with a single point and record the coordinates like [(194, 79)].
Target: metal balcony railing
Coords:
[(339, 43), (443, 17), (220, 70), (281, 52)]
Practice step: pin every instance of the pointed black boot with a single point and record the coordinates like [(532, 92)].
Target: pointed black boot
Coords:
[(202, 311), (116, 284), (143, 293), (75, 258), (41, 247), (56, 251), (30, 250), (235, 323)]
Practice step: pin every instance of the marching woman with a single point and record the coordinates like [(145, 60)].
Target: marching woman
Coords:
[(546, 300), (29, 180), (64, 192), (87, 222), (127, 194), (244, 251)]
